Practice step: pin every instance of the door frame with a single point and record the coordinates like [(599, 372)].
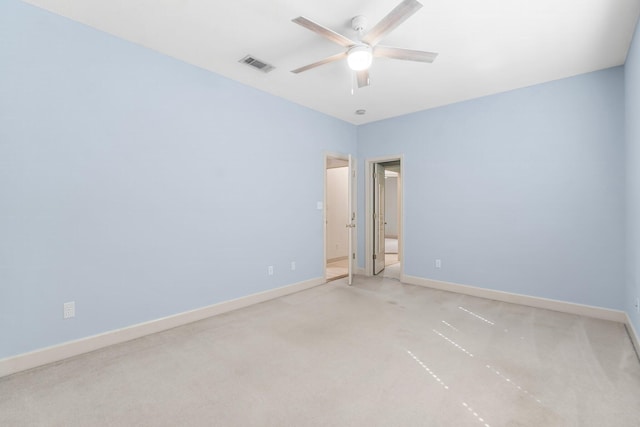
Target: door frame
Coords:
[(369, 221), (351, 164)]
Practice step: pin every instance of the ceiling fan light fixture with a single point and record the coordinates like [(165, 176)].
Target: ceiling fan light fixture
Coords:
[(359, 58)]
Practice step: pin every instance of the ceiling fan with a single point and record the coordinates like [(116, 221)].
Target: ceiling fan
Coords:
[(360, 53)]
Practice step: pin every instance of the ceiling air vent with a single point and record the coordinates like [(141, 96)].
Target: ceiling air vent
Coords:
[(257, 64)]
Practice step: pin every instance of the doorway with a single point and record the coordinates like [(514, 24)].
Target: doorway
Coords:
[(339, 218), (383, 240)]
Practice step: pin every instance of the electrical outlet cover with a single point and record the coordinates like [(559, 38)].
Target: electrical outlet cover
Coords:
[(69, 309)]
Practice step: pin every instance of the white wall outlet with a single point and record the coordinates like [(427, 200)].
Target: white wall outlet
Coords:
[(270, 270), (438, 263), (69, 310), (293, 265)]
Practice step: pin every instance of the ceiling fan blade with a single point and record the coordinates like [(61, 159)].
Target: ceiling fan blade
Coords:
[(390, 22), (333, 58), (324, 31), (363, 78), (406, 54)]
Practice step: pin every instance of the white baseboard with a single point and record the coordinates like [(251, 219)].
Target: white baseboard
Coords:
[(633, 334), (44, 356), (549, 304)]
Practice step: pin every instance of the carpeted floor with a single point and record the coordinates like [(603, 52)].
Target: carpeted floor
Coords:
[(378, 353)]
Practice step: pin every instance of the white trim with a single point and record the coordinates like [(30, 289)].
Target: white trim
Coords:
[(633, 334), (548, 304), (368, 219), (22, 362)]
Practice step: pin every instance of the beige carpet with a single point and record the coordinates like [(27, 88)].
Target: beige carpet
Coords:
[(378, 353)]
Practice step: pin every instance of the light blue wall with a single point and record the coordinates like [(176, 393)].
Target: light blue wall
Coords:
[(139, 186), (520, 192), (632, 122)]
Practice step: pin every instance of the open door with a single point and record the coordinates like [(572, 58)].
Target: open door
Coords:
[(378, 218), (351, 225), (339, 217)]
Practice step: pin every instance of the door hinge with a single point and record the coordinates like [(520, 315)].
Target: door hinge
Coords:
[(353, 255), (375, 256)]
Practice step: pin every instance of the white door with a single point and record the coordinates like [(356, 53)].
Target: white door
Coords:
[(378, 218), (352, 217), (339, 204)]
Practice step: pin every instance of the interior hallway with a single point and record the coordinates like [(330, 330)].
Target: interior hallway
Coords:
[(379, 353), (391, 262), (337, 269)]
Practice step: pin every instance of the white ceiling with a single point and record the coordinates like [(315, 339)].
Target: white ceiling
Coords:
[(484, 46)]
